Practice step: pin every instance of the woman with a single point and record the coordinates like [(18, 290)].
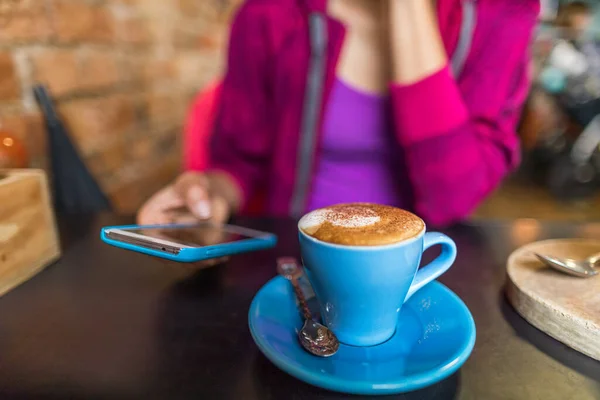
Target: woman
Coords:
[(355, 100)]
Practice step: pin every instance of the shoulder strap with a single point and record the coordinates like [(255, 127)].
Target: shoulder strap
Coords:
[(467, 29)]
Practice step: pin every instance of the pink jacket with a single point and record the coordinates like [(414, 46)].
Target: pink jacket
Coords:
[(458, 134), (199, 127)]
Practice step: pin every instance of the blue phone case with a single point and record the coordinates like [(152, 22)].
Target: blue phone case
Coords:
[(197, 253)]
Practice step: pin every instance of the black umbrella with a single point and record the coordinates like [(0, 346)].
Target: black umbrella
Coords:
[(75, 189)]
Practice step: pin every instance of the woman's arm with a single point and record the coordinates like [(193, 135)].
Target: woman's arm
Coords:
[(416, 46), (241, 141), (459, 136)]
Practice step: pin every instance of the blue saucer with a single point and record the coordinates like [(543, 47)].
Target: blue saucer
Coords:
[(435, 336)]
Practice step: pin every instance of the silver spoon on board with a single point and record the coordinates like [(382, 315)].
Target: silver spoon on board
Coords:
[(316, 338), (581, 269)]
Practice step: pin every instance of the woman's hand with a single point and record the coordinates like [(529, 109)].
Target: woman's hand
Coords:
[(193, 196)]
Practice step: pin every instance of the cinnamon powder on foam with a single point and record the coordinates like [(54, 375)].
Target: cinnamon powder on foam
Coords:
[(361, 224)]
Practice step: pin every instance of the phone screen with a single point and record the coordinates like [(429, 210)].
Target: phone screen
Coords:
[(198, 235)]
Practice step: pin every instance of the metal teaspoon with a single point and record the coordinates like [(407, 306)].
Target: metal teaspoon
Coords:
[(317, 339), (581, 269)]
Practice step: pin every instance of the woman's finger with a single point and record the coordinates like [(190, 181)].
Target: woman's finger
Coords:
[(197, 201), (193, 188), (220, 209), (188, 180), (155, 210)]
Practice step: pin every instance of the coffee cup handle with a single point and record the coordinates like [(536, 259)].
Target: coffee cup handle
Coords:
[(437, 267)]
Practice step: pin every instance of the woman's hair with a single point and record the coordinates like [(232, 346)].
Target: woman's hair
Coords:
[(566, 12)]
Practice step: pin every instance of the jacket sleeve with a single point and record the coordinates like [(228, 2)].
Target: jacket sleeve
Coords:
[(459, 136), (241, 143)]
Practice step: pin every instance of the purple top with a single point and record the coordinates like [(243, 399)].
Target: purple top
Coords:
[(360, 160)]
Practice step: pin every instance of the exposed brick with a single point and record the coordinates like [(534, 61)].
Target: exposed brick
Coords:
[(29, 22), (167, 141), (213, 39), (141, 148), (98, 69), (132, 66), (166, 138), (194, 69), (189, 96), (67, 71), (186, 36), (127, 2), (109, 159), (229, 10), (211, 10), (159, 70), (141, 114), (16, 7), (219, 11), (124, 72), (135, 32), (129, 195), (57, 69), (77, 21), (37, 137), (189, 8), (165, 107), (9, 83), (92, 121)]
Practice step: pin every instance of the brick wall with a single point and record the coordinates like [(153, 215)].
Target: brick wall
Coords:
[(123, 73)]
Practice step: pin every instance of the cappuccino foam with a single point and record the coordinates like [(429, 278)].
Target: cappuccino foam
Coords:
[(361, 224)]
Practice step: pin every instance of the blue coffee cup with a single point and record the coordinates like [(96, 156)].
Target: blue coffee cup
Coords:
[(361, 289)]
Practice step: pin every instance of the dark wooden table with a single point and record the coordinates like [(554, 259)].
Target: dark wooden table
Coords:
[(107, 323)]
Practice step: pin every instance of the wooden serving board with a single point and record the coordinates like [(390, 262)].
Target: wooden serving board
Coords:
[(28, 236), (565, 307)]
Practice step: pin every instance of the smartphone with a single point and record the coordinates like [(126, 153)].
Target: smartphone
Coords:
[(188, 242)]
